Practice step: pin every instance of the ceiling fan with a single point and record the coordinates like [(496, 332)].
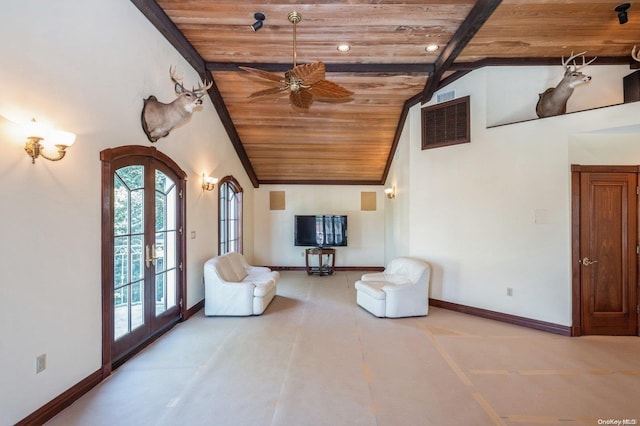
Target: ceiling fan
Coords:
[(303, 82)]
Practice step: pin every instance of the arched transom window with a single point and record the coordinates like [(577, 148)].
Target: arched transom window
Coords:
[(230, 216)]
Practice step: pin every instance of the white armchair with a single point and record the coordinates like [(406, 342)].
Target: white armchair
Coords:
[(235, 288), (402, 290)]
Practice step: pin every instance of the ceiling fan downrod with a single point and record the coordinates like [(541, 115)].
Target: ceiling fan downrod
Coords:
[(294, 17)]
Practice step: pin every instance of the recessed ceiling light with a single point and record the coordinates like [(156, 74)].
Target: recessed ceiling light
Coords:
[(432, 48), (344, 48)]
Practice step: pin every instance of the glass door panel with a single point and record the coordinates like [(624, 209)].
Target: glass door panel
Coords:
[(165, 243), (128, 226)]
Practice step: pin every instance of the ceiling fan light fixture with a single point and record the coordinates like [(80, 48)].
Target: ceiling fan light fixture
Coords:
[(259, 17), (621, 9), (432, 47)]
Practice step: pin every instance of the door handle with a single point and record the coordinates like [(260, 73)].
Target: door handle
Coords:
[(587, 262), (150, 255)]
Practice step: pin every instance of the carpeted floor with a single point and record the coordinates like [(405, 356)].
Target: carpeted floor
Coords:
[(315, 358)]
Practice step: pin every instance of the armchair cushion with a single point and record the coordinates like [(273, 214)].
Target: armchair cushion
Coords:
[(372, 289)]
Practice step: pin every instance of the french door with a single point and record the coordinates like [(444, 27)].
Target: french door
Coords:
[(143, 248)]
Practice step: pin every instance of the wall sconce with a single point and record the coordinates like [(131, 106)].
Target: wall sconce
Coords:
[(390, 192), (208, 183), (259, 17), (623, 18), (40, 137)]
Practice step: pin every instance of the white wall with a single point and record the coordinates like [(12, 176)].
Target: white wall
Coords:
[(84, 66), (397, 211), (495, 213), (274, 228)]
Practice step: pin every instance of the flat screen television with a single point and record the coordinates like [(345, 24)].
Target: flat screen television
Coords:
[(320, 230)]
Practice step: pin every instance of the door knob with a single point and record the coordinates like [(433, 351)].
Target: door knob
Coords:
[(587, 262)]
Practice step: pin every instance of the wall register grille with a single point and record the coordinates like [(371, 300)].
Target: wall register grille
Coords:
[(446, 124)]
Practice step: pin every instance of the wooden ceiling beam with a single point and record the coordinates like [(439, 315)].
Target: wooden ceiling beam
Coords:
[(418, 68), (319, 182), (481, 11), (546, 61), (358, 68)]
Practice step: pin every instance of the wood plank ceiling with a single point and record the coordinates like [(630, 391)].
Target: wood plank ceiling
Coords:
[(388, 67)]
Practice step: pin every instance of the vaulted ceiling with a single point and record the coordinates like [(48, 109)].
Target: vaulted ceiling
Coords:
[(352, 141)]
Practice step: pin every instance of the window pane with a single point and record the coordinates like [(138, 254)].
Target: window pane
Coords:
[(160, 251), (165, 202), (171, 218), (172, 284), (120, 207), (161, 211), (120, 312), (120, 261), (137, 304), (128, 199), (170, 252), (164, 183), (160, 294), (132, 176), (137, 257), (137, 211)]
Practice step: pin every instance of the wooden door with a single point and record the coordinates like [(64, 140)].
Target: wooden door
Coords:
[(607, 259)]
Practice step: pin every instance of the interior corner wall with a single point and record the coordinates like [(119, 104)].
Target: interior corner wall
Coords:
[(397, 223), (274, 236), (84, 66), (495, 213)]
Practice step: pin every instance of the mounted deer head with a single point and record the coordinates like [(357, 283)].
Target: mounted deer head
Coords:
[(158, 119), (635, 55), (554, 100)]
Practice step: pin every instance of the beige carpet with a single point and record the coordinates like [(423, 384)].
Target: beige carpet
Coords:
[(315, 358)]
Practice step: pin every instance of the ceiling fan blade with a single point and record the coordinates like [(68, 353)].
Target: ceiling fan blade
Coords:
[(328, 89), (301, 99), (264, 74), (269, 91), (309, 73)]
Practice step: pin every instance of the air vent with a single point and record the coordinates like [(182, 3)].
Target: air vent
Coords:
[(446, 124), (446, 96)]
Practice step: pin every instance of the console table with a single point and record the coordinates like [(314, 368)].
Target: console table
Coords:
[(322, 268)]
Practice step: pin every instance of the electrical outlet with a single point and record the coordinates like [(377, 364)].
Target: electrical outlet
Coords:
[(41, 363), (509, 291), (193, 235)]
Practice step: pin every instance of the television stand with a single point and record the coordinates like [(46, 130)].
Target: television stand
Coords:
[(322, 268)]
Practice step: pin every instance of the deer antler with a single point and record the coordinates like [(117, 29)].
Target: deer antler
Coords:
[(575, 66), (635, 55), (207, 86), (177, 79)]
